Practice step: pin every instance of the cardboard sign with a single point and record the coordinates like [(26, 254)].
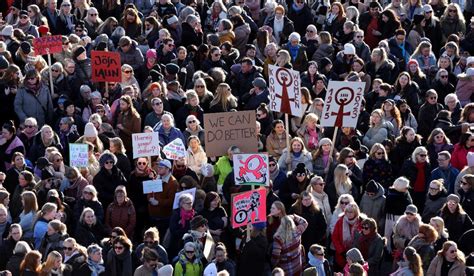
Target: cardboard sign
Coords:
[(223, 130), (175, 150), (342, 104), (106, 66), (285, 90), (78, 155), (192, 192), (249, 207), (251, 169), (48, 45), (152, 186), (145, 144)]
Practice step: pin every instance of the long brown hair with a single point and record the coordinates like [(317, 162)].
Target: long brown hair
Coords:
[(298, 205), (31, 262)]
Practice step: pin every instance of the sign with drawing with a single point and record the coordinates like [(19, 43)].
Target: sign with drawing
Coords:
[(249, 207), (285, 90), (251, 169)]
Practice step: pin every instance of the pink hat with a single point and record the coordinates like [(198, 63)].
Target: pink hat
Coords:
[(412, 61), (151, 53)]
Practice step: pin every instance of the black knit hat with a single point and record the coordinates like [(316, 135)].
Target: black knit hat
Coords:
[(300, 168), (372, 187)]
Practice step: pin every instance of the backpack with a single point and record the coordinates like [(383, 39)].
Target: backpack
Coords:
[(177, 259)]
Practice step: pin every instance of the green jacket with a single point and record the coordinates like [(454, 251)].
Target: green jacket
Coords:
[(192, 269), (222, 168)]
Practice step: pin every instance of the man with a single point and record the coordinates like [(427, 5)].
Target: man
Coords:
[(344, 61), (427, 112), (130, 54), (154, 117), (67, 133), (165, 53), (243, 81), (400, 48), (370, 22), (432, 29), (51, 13), (160, 205), (25, 25), (251, 52), (257, 95), (362, 49), (445, 171)]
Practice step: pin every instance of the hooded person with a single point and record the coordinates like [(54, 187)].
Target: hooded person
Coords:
[(353, 256), (373, 203)]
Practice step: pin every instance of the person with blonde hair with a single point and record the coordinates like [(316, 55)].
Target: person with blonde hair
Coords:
[(454, 258), (410, 263), (341, 184), (47, 213), (435, 199), (438, 224), (54, 237), (406, 227), (378, 167), (378, 130), (417, 169), (297, 154), (54, 266), (310, 132)]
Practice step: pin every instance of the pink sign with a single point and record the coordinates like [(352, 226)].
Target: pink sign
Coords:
[(249, 207)]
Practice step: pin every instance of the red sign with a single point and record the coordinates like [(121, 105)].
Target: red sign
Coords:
[(249, 207), (48, 45), (106, 66)]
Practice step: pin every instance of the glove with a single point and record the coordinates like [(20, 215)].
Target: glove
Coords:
[(153, 201)]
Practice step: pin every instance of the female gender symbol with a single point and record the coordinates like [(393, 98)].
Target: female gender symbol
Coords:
[(343, 96), (282, 75)]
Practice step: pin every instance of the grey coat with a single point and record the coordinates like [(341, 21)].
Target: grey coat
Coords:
[(39, 106), (376, 134), (132, 57), (305, 158), (375, 207), (432, 206)]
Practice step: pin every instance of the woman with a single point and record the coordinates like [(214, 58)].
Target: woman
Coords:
[(92, 22), (306, 207), (35, 15), (89, 199), (108, 178), (89, 229), (341, 184), (380, 66), (28, 215), (453, 105), (193, 127), (195, 155), (407, 89), (310, 40), (118, 149), (46, 138), (91, 136), (31, 264), (48, 213), (325, 48), (297, 182), (378, 130), (167, 131), (436, 143), (277, 212), (452, 21), (128, 76), (423, 242), (378, 167), (276, 141), (322, 160), (410, 264), (455, 218), (270, 53), (94, 264), (286, 252), (9, 83), (310, 132), (461, 149), (121, 212), (345, 232), (54, 266), (17, 165), (391, 24), (215, 214), (405, 229), (405, 144), (128, 121), (359, 67), (418, 169), (34, 99), (466, 194), (425, 60), (150, 33), (119, 258), (296, 155), (223, 100), (188, 264), (74, 254), (205, 96), (225, 31), (9, 145), (370, 245), (215, 15), (438, 224), (392, 114), (66, 21), (54, 238), (108, 26), (449, 261), (180, 222), (435, 199), (308, 78), (408, 119), (335, 21), (241, 31), (342, 202)]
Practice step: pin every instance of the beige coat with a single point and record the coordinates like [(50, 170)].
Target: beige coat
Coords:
[(458, 268)]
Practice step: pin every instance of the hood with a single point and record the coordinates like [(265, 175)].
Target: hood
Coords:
[(381, 191), (245, 28)]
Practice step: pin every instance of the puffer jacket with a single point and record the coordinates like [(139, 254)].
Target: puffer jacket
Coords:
[(374, 207), (376, 134), (324, 50), (132, 57), (39, 107)]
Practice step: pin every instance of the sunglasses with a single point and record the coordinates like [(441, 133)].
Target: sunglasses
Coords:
[(344, 202), (93, 14), (148, 242), (452, 251), (24, 17), (450, 11), (170, 45), (464, 183), (189, 252), (54, 70), (29, 126), (199, 86), (365, 227), (434, 188), (320, 183), (118, 247), (141, 163), (127, 71), (79, 30), (309, 31), (109, 162), (68, 248), (300, 174), (191, 122), (272, 164), (444, 76), (58, 160), (360, 36), (422, 155), (87, 192), (433, 98), (379, 153)]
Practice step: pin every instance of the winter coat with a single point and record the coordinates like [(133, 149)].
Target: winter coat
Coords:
[(404, 231), (337, 239), (363, 51), (190, 36), (425, 118), (165, 199), (316, 231), (222, 168), (324, 50), (456, 224), (396, 202), (300, 63), (86, 235), (38, 148), (459, 156), (288, 28), (467, 201), (83, 71), (401, 54), (402, 152), (105, 182), (433, 205), (119, 265), (13, 264), (464, 89), (374, 207), (410, 171), (378, 170), (132, 57), (39, 106), (173, 134), (375, 253), (375, 134), (94, 205), (184, 267), (243, 83), (411, 94), (275, 145), (301, 18), (433, 152), (122, 215), (458, 268), (305, 157), (426, 250), (241, 39), (131, 124), (51, 243), (183, 113), (292, 186), (384, 72), (253, 255)]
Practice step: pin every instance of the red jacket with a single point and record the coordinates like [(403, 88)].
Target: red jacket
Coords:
[(339, 243), (459, 156)]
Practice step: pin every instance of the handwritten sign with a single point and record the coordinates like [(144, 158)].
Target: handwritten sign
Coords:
[(251, 169), (192, 192), (342, 104), (175, 150), (145, 144), (285, 90), (78, 155), (249, 207), (48, 45), (152, 186), (223, 130), (106, 66)]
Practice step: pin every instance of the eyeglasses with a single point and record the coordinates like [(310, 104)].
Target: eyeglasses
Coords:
[(309, 31), (189, 252), (93, 14), (365, 228), (141, 163), (170, 45), (433, 98), (24, 17), (272, 164), (344, 202), (68, 248), (428, 11), (450, 11), (379, 153), (127, 71), (148, 242), (58, 160), (118, 247), (160, 103), (30, 126), (65, 5), (422, 155), (54, 70), (443, 76), (320, 183), (434, 188), (79, 30), (300, 174), (191, 122), (199, 86)]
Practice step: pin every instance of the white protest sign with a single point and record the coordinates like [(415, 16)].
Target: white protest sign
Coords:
[(192, 192), (285, 90), (78, 155), (145, 144), (251, 169), (342, 104), (175, 150), (152, 186)]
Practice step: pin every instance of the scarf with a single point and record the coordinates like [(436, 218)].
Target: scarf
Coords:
[(365, 242), (185, 216), (420, 177), (325, 158), (313, 138), (331, 18), (278, 28), (97, 268), (274, 174), (317, 263), (293, 51), (348, 230), (33, 87)]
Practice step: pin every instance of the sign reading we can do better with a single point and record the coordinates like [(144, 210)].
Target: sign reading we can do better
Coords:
[(342, 104), (223, 130), (145, 144)]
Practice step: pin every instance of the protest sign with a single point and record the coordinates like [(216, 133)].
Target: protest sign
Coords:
[(48, 45), (152, 186), (285, 90), (342, 104), (145, 144), (251, 169), (106, 66), (192, 192), (249, 207), (175, 150), (223, 130), (78, 155)]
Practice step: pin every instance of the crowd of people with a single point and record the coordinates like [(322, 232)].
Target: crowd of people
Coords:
[(393, 195)]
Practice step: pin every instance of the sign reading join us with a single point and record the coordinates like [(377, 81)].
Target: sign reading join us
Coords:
[(106, 66)]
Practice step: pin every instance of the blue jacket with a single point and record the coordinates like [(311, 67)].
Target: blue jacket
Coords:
[(41, 227), (166, 139), (449, 175)]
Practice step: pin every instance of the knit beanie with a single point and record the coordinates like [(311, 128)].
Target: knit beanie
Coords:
[(355, 255), (453, 197), (166, 270), (300, 168), (90, 130), (151, 53)]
